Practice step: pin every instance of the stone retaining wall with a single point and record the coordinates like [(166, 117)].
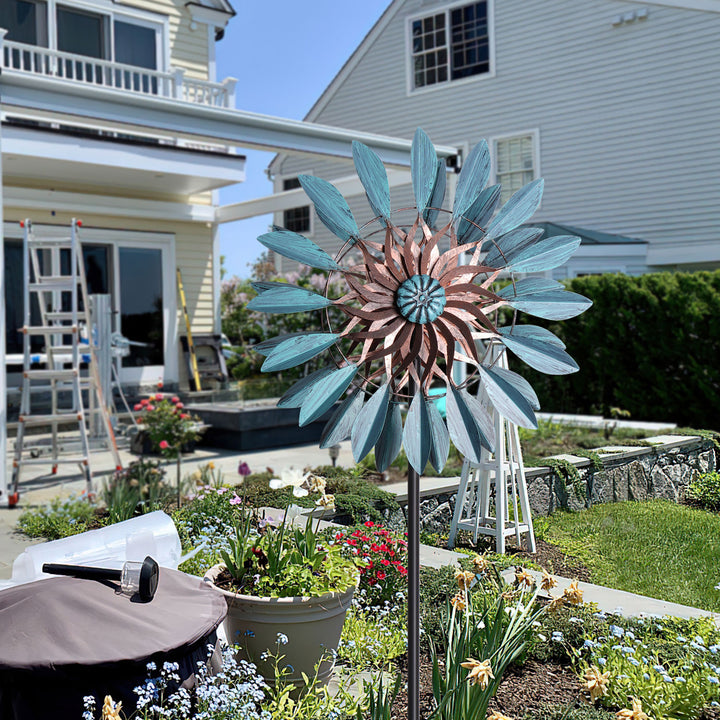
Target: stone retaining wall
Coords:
[(662, 470)]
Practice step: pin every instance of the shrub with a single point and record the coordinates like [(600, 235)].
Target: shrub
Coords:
[(139, 488), (705, 489), (59, 519), (649, 345)]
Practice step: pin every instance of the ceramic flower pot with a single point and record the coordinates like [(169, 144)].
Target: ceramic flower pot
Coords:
[(312, 625)]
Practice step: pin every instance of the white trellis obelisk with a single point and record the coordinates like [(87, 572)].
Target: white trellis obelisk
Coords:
[(504, 471)]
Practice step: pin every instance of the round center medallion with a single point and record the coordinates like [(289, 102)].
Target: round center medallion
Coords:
[(420, 299)]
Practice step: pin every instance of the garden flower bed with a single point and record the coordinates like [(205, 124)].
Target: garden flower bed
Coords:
[(549, 660)]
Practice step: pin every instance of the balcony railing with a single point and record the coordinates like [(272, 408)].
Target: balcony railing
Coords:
[(35, 60)]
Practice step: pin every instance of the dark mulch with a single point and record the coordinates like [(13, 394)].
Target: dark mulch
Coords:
[(534, 685), (556, 561)]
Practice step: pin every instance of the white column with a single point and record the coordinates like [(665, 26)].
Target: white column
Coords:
[(3, 367)]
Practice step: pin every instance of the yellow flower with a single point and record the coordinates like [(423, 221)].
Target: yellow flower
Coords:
[(573, 594), (197, 477), (327, 502), (211, 465), (596, 682), (464, 579), (496, 715), (555, 604), (523, 577), (111, 710), (458, 601), (480, 672), (548, 581), (480, 563), (635, 714)]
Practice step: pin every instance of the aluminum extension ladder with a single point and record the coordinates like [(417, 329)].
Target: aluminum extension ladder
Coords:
[(506, 472), (61, 292)]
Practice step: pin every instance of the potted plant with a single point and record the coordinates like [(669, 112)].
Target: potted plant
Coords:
[(285, 584)]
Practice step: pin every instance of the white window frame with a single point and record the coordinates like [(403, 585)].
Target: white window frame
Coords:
[(115, 239), (410, 74), (279, 183), (534, 134), (108, 9)]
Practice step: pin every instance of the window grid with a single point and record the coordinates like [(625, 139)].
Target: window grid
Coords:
[(515, 165), (296, 219), (450, 45)]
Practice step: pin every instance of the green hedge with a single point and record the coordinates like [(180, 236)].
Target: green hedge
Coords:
[(649, 345)]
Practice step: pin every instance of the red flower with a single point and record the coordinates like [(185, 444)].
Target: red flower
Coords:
[(164, 444), (179, 405), (375, 547), (159, 396), (369, 523), (184, 416), (138, 407), (150, 408), (175, 399), (385, 562), (144, 402), (381, 575)]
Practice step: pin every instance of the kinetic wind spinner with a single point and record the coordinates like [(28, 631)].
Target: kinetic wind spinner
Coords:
[(414, 299)]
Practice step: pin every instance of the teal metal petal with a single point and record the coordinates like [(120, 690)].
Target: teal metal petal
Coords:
[(339, 426), (528, 286), (547, 357), (507, 399), (298, 350), (370, 422), (296, 247), (473, 176), (517, 210), (295, 396), (533, 332), (520, 384), (440, 437), (438, 195), (331, 207), (373, 176), (545, 254), (469, 424), (389, 443), (551, 305), (417, 435), (423, 168), (267, 346), (260, 286), (478, 213), (501, 250), (286, 298), (325, 393)]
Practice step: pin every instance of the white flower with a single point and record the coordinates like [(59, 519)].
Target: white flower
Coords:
[(291, 477)]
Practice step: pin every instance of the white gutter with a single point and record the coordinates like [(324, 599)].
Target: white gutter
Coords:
[(201, 123)]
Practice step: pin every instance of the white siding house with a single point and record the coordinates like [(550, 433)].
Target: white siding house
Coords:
[(614, 103)]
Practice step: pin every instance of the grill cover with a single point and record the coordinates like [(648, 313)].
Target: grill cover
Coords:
[(64, 638)]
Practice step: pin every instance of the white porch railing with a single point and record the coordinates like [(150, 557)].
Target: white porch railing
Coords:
[(35, 60)]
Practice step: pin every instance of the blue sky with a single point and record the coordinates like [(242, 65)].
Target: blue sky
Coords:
[(284, 53)]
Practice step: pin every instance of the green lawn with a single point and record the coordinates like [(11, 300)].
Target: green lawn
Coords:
[(655, 548)]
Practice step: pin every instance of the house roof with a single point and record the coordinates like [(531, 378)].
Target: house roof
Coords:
[(587, 237), (222, 5)]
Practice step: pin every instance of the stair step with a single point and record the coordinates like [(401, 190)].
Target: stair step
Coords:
[(56, 419), (50, 329), (72, 460), (53, 283), (48, 243), (50, 374), (64, 315)]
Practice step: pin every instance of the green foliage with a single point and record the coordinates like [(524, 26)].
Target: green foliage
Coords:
[(138, 489), (492, 629), (666, 663), (705, 488), (59, 519), (372, 637), (562, 712), (355, 498), (678, 562), (168, 425), (573, 623), (379, 702), (648, 345), (285, 561)]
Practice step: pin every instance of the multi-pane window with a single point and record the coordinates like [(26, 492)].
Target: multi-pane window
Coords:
[(514, 163), (450, 45), (296, 219)]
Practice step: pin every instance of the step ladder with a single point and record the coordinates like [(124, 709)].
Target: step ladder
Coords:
[(505, 472), (54, 275)]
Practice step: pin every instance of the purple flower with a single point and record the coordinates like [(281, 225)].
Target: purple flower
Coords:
[(243, 469), (235, 500)]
